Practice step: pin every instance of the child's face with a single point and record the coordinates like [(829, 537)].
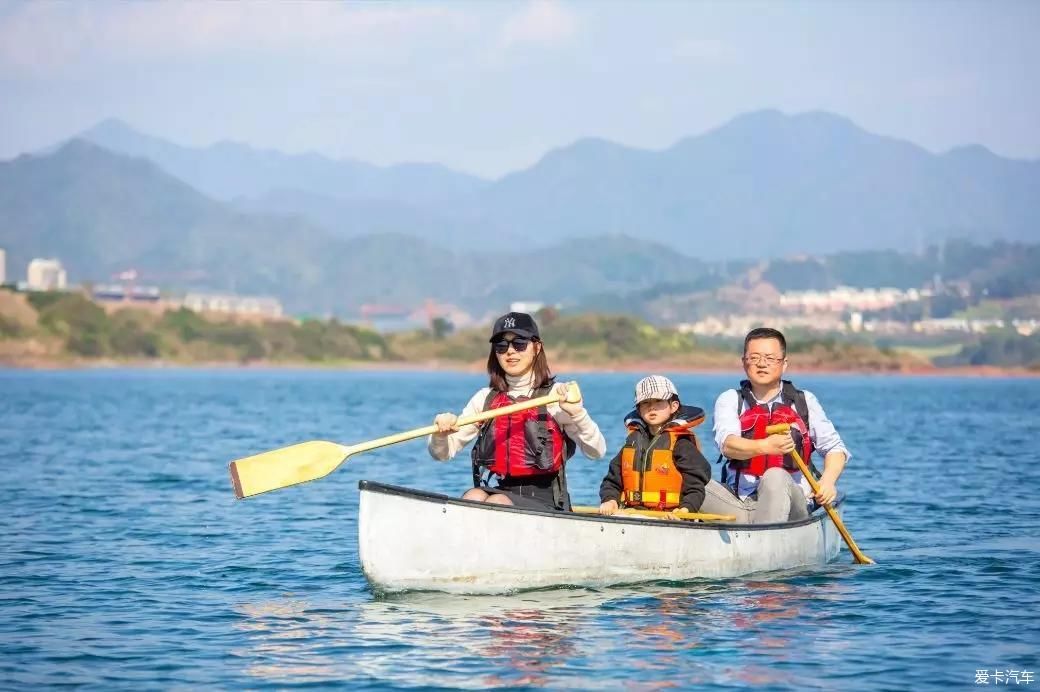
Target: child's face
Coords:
[(657, 411)]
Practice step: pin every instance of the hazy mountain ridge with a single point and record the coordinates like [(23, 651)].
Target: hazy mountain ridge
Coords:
[(564, 230), (102, 213), (764, 184), (227, 170)]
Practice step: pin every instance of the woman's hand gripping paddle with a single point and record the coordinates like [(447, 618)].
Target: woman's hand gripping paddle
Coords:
[(857, 554), (312, 460)]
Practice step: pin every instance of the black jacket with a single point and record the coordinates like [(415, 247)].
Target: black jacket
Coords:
[(695, 469)]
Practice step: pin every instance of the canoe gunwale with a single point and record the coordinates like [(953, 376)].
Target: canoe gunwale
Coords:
[(387, 489)]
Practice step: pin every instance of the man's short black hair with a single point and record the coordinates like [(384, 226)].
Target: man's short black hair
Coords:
[(766, 333)]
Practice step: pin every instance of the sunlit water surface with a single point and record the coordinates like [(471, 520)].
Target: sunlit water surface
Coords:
[(126, 562)]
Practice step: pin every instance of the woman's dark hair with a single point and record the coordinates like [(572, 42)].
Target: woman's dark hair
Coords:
[(497, 376), (766, 333)]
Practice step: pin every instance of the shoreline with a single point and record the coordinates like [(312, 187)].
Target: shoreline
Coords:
[(644, 367)]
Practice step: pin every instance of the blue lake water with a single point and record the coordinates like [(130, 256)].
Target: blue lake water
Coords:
[(126, 563)]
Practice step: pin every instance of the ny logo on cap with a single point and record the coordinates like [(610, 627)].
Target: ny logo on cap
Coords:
[(509, 323)]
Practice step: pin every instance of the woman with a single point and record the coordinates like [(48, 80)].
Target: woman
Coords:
[(519, 459)]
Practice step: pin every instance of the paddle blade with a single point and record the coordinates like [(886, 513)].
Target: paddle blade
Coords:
[(283, 467)]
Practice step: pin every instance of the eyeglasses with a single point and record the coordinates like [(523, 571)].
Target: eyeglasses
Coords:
[(519, 345), (759, 359)]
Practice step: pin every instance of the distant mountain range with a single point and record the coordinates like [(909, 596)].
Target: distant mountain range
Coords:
[(229, 170), (763, 185), (770, 185), (588, 221), (102, 213)]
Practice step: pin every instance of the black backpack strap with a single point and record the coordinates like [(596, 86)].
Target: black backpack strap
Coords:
[(478, 470), (570, 445), (745, 396), (488, 399), (796, 397), (561, 498), (542, 416), (544, 389), (724, 473)]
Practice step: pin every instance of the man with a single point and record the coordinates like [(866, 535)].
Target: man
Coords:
[(761, 483)]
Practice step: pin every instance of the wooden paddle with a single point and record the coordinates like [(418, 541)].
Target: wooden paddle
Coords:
[(309, 461), (857, 554), (693, 516)]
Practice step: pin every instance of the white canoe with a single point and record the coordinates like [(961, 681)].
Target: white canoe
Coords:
[(414, 540)]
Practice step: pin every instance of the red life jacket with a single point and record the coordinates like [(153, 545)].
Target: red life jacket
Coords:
[(792, 409), (523, 444)]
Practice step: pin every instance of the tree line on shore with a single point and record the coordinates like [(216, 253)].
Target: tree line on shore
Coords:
[(70, 326)]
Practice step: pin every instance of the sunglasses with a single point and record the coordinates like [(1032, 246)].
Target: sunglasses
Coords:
[(519, 345)]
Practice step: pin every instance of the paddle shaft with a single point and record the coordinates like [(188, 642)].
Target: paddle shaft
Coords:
[(573, 395), (308, 461), (857, 554), (691, 516)]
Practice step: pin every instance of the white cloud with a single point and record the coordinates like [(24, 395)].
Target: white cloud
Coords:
[(541, 21), (42, 38), (30, 43), (701, 50)]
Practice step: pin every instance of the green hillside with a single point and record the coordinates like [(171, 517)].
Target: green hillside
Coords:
[(102, 213), (71, 327), (56, 328), (609, 340)]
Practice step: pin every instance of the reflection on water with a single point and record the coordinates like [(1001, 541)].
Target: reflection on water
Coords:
[(531, 638), (526, 643), (139, 570), (292, 640)]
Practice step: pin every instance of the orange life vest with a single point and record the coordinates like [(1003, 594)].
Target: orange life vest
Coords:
[(649, 477)]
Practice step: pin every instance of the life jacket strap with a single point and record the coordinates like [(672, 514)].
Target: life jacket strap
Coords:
[(651, 498)]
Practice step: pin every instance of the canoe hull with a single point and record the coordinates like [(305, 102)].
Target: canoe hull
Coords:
[(410, 540)]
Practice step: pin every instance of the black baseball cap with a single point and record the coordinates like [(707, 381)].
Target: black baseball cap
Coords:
[(520, 323)]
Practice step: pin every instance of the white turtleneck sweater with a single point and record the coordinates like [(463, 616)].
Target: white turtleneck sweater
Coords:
[(580, 428)]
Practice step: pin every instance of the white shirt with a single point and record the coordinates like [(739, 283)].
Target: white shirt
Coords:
[(822, 432), (580, 428)]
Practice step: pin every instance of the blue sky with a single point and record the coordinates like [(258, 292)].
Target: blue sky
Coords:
[(490, 87)]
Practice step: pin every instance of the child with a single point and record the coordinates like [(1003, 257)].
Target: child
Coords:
[(660, 465)]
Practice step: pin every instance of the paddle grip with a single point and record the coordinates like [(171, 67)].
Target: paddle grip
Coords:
[(780, 429), (573, 393)]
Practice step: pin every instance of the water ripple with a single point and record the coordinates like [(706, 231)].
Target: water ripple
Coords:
[(126, 563)]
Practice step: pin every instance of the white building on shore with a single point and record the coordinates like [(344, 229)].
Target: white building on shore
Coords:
[(3, 266), (45, 275), (528, 306), (845, 298), (229, 304)]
